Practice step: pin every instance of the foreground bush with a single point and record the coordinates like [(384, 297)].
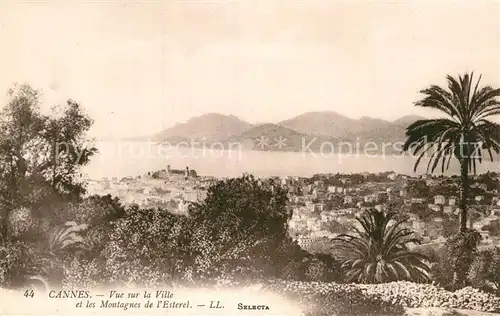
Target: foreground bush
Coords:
[(325, 299), (393, 295), (484, 273), (16, 261), (461, 249), (427, 295)]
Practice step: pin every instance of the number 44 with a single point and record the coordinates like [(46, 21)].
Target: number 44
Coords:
[(29, 293)]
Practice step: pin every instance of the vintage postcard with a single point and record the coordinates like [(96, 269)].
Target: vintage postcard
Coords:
[(250, 157)]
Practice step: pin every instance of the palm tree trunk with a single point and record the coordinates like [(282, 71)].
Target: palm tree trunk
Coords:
[(464, 193), (5, 225)]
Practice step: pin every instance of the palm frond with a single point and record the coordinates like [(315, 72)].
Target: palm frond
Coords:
[(69, 235), (379, 252), (464, 134)]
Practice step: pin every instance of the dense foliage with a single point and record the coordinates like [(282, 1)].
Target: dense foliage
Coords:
[(238, 232), (324, 299), (485, 271), (243, 228), (40, 155), (382, 299), (461, 249)]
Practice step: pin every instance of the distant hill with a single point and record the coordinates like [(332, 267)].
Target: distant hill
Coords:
[(320, 123), (392, 132), (368, 125), (407, 120), (336, 125), (211, 127), (312, 128), (273, 137)]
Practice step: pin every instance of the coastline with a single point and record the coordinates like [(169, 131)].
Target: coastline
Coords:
[(122, 159)]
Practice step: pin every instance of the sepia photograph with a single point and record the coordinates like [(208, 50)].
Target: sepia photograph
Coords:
[(264, 157)]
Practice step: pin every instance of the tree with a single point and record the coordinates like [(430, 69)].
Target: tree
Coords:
[(449, 226), (493, 228), (379, 251), (40, 155), (69, 246), (147, 246), (464, 133), (92, 210), (335, 227), (241, 229), (418, 189)]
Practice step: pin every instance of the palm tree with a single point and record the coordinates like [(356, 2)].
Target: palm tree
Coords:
[(66, 238), (464, 133), (379, 252)]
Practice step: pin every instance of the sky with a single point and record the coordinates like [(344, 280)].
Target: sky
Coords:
[(140, 67)]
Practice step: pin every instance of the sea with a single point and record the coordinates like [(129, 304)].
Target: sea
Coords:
[(128, 158)]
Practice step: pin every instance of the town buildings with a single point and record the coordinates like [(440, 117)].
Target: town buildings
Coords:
[(328, 204)]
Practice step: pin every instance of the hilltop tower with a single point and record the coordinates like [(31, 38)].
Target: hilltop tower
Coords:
[(168, 169), (187, 172)]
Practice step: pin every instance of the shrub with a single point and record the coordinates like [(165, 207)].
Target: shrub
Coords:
[(18, 260), (394, 294), (145, 245), (485, 271), (316, 270), (453, 313), (93, 210), (95, 239), (21, 224), (322, 268), (240, 231), (322, 299), (352, 303), (461, 250), (80, 273), (293, 271), (44, 258), (441, 273), (427, 295)]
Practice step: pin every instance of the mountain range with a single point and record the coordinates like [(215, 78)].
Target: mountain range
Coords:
[(289, 135)]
